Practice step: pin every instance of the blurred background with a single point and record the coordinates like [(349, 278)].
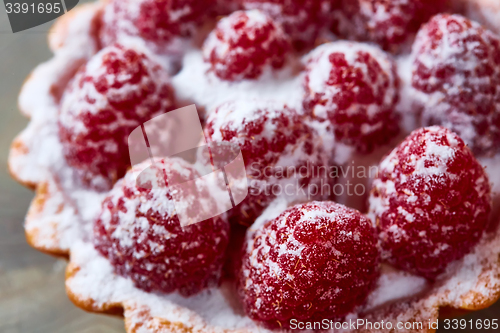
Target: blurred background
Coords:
[(32, 295)]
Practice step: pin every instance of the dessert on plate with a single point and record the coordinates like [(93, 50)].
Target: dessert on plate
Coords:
[(370, 136)]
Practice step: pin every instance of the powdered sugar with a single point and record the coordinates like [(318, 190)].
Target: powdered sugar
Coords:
[(455, 79), (486, 12), (308, 248), (161, 25), (244, 45), (439, 154), (354, 87), (321, 66), (393, 286), (302, 20), (276, 146), (431, 163)]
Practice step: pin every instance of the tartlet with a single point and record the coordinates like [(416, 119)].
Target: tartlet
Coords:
[(59, 220)]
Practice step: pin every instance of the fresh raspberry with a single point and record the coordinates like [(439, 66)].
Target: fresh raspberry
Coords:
[(282, 155), (244, 45), (115, 92), (355, 87), (456, 79), (301, 19), (315, 261), (430, 201), (156, 21), (388, 23), (140, 234)]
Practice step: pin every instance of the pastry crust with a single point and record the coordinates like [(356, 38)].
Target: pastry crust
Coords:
[(62, 28), (46, 236), (471, 284), (422, 308), (89, 304)]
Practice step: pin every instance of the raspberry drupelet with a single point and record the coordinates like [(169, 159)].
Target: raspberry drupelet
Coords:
[(354, 86), (244, 45), (315, 261), (301, 19), (117, 90), (389, 23), (140, 234), (430, 201), (156, 21), (456, 79), (282, 154)]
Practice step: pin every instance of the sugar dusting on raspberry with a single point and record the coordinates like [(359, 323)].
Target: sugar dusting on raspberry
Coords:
[(244, 45), (301, 19), (355, 87), (456, 79), (430, 201), (277, 148), (314, 261), (196, 83), (141, 235), (159, 22), (387, 23), (115, 92)]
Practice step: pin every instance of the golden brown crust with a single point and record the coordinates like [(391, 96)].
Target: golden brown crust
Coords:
[(89, 304)]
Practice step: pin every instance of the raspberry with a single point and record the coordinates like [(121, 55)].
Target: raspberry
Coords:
[(456, 79), (140, 234), (388, 23), (355, 87), (301, 19), (244, 45), (315, 261), (114, 93), (282, 155), (430, 201), (156, 21)]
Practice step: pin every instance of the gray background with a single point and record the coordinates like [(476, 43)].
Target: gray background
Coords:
[(32, 296)]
